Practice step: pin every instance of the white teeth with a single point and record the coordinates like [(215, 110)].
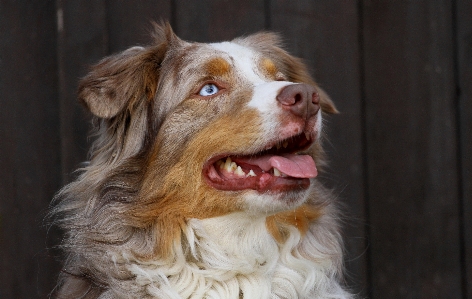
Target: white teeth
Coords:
[(227, 163), (278, 146), (230, 167), (277, 172), (307, 136), (239, 171), (285, 144), (251, 173), (234, 168)]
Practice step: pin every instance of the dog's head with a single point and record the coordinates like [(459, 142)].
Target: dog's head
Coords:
[(191, 130)]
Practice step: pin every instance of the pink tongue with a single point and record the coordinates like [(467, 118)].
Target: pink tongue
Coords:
[(295, 165), (298, 166)]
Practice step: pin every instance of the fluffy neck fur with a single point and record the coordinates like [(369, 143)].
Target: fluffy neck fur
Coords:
[(234, 256)]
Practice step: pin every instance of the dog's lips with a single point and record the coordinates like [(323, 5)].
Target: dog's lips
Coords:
[(277, 168)]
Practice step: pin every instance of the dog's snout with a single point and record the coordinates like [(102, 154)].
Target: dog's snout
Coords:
[(302, 100)]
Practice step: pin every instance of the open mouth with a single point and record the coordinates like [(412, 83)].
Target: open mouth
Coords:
[(279, 167)]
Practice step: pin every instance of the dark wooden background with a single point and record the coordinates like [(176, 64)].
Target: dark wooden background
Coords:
[(399, 71)]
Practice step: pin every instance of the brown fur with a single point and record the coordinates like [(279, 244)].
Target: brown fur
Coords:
[(268, 67), (176, 200), (300, 218), (217, 67)]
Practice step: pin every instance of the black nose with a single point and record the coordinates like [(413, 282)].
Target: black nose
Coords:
[(301, 100)]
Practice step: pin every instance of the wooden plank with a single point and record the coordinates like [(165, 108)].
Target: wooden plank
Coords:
[(82, 41), (129, 21), (214, 20), (29, 146), (464, 44), (411, 149), (325, 35)]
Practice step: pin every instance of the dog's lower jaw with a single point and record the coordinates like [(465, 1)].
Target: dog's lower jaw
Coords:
[(268, 203), (235, 256)]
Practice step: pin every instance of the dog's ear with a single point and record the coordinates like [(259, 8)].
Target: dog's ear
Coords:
[(271, 45), (326, 104), (119, 81)]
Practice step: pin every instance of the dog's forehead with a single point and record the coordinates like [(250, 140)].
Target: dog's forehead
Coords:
[(243, 59)]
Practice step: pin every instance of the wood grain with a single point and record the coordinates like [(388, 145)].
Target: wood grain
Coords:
[(464, 68), (129, 22), (214, 20), (29, 146), (411, 150)]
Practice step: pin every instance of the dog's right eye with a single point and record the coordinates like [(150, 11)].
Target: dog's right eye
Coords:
[(209, 90)]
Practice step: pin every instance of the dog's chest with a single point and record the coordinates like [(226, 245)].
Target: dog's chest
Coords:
[(230, 257)]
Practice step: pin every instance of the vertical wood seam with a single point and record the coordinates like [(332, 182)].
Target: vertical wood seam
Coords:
[(460, 178), (60, 83), (364, 125)]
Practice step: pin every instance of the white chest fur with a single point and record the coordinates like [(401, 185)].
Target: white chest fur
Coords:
[(234, 256)]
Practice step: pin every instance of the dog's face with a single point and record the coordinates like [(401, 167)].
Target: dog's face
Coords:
[(210, 129)]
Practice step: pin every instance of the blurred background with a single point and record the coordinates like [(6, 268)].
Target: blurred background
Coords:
[(400, 152)]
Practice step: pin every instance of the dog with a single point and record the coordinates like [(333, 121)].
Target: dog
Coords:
[(202, 181)]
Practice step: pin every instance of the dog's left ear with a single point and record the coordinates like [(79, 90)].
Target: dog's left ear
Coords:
[(326, 104), (118, 82)]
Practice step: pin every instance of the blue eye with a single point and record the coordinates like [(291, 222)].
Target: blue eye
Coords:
[(209, 90)]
